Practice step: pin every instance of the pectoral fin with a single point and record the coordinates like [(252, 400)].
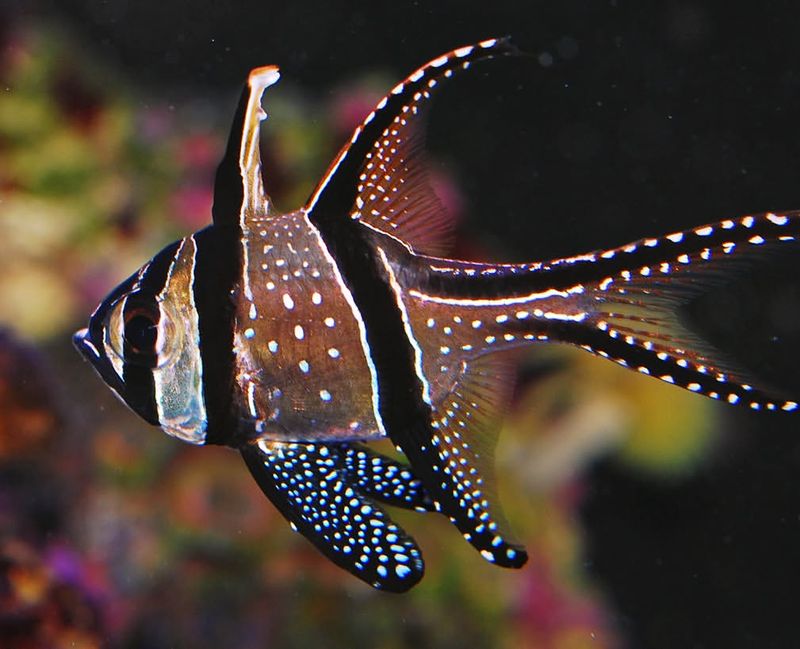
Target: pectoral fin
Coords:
[(326, 491)]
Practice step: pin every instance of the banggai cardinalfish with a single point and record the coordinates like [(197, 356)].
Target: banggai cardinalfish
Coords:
[(297, 338)]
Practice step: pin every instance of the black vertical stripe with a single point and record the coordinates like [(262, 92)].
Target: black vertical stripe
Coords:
[(217, 271), (218, 268), (400, 390), (136, 375), (402, 407)]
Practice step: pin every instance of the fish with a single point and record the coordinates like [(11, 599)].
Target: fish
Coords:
[(299, 339)]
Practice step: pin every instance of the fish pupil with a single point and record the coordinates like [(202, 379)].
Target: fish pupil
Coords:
[(141, 334)]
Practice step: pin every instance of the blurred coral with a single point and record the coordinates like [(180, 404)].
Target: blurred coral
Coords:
[(45, 600), (29, 411), (91, 183)]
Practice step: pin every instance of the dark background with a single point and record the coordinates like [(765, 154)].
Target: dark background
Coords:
[(630, 119)]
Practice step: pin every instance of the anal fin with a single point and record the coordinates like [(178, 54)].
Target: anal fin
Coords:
[(454, 457)]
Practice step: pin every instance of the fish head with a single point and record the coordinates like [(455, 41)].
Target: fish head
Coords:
[(143, 341)]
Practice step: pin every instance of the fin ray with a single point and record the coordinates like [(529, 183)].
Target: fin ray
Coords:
[(625, 303), (455, 459), (637, 307), (378, 175)]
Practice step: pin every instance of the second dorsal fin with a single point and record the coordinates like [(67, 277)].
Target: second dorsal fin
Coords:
[(379, 176)]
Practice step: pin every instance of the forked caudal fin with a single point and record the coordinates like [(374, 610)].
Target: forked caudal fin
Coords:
[(635, 309), (624, 304)]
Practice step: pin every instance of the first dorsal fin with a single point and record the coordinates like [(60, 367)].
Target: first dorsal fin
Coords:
[(238, 185), (379, 176)]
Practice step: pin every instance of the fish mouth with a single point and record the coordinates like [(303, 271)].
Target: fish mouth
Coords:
[(82, 339), (83, 343)]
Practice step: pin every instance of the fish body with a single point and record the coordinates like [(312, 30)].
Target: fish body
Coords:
[(297, 338)]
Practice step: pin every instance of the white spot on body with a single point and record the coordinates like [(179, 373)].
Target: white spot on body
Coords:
[(299, 333)]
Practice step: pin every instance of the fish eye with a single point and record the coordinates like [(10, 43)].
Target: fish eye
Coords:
[(142, 331)]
